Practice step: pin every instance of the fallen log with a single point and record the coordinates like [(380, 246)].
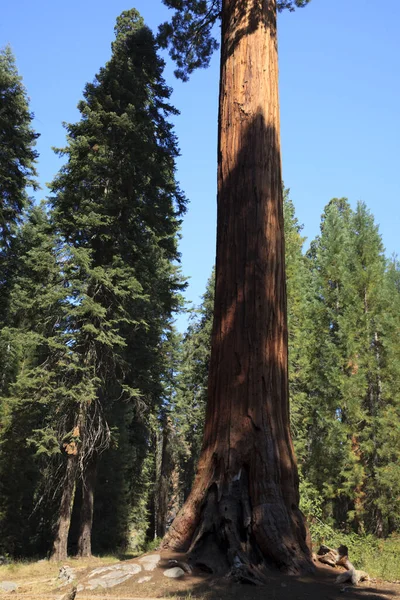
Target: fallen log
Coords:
[(339, 557)]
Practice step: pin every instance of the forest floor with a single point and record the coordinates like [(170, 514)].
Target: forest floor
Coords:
[(39, 581)]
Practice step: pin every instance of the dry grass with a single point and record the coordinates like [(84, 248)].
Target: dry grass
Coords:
[(36, 577)]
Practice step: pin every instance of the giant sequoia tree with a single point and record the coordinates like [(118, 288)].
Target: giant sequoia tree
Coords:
[(242, 514)]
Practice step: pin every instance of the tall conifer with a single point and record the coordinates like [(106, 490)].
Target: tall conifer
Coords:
[(116, 206)]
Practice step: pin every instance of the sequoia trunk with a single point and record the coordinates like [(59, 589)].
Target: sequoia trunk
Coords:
[(242, 514)]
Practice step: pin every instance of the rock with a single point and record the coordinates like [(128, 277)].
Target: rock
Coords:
[(8, 586), (174, 573), (66, 575), (150, 561), (70, 595), (145, 579), (112, 576), (117, 570)]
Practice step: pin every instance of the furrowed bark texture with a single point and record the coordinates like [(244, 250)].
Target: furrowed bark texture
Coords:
[(242, 515), (60, 545), (86, 514), (164, 484)]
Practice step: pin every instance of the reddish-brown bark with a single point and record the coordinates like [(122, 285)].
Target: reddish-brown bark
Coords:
[(242, 514)]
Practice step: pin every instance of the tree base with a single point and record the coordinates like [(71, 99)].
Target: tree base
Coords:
[(232, 538)]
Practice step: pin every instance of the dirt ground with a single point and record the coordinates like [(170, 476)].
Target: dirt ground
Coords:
[(320, 586)]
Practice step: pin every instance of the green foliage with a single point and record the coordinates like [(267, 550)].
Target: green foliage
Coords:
[(17, 141), (92, 299), (153, 545), (190, 32), (379, 558), (352, 361), (27, 436), (189, 401), (299, 326), (311, 506)]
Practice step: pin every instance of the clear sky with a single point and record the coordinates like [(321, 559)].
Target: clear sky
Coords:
[(340, 106)]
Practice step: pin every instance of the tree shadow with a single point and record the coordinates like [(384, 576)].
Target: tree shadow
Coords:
[(245, 504), (321, 586)]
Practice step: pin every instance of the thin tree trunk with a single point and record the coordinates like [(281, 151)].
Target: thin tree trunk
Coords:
[(60, 545), (242, 514), (164, 479), (86, 514)]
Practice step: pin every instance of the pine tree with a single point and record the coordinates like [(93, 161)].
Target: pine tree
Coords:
[(376, 363), (17, 174), (17, 142), (383, 488), (349, 365), (333, 468), (298, 281), (191, 396), (116, 205), (34, 315)]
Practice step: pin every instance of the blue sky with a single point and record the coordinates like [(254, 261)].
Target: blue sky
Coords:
[(340, 106)]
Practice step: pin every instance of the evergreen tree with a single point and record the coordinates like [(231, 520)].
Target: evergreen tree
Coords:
[(116, 205), (17, 174), (382, 493), (349, 366), (17, 142), (34, 316), (92, 304), (377, 362), (332, 466), (298, 282), (191, 395)]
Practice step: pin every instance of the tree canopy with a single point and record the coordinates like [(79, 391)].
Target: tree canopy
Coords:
[(189, 34)]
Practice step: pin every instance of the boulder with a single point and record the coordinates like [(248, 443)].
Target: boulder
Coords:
[(174, 573), (108, 577), (66, 575), (149, 561), (8, 586)]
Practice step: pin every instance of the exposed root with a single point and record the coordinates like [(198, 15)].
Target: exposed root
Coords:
[(183, 565), (235, 540)]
